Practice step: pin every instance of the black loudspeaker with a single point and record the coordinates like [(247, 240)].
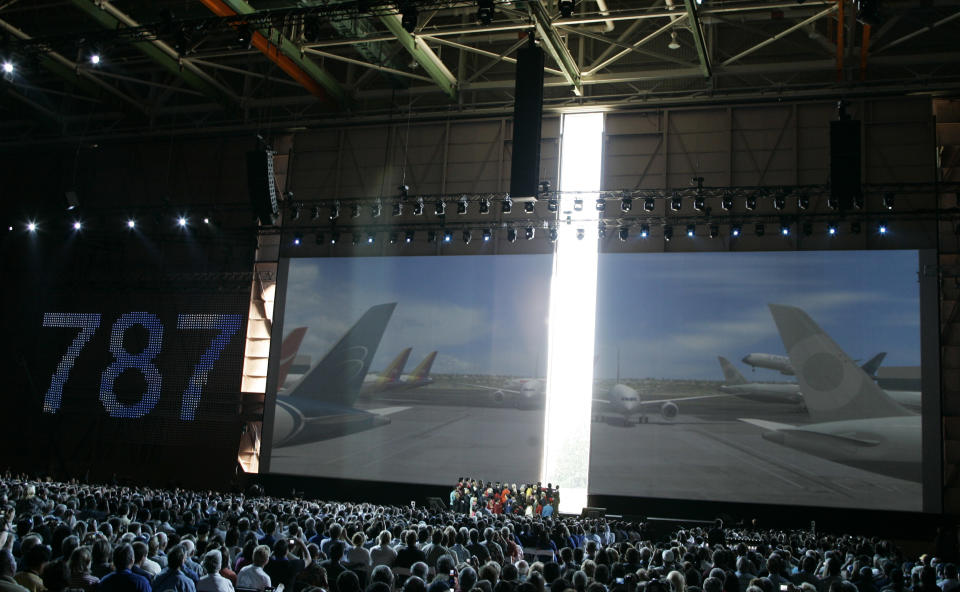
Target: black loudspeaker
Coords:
[(593, 512), (844, 161), (261, 186), (527, 115)]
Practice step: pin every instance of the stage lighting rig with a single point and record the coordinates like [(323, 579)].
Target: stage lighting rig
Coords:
[(552, 234), (735, 230), (784, 229), (431, 236), (335, 210), (626, 204), (486, 235), (409, 17), (726, 201), (529, 207), (887, 200), (485, 11), (375, 209), (529, 232), (440, 207), (699, 203), (832, 229), (447, 236), (506, 206), (295, 212), (552, 204), (714, 231), (462, 205), (691, 230), (601, 231), (403, 191), (314, 213), (644, 230), (882, 228), (397, 208), (512, 234), (578, 205), (334, 237), (751, 202), (649, 204), (467, 237), (601, 204), (355, 238), (779, 201), (393, 238), (485, 206), (354, 210), (667, 232), (803, 202), (371, 238), (566, 7), (418, 207), (408, 237), (623, 233), (676, 202)]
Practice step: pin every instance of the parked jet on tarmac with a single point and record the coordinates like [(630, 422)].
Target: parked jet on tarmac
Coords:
[(321, 405), (419, 377), (857, 423)]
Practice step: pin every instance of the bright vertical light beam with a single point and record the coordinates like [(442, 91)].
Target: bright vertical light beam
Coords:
[(573, 298)]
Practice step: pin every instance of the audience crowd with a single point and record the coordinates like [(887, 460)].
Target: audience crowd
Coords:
[(76, 537), (470, 496)]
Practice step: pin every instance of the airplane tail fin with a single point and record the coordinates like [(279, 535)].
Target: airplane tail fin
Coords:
[(834, 388), (288, 353), (873, 364), (392, 372), (337, 378), (730, 374), (423, 368)]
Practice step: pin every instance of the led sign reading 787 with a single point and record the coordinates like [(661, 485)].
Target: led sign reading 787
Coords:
[(143, 361)]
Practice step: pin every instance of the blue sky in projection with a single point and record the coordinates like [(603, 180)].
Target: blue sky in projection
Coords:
[(671, 314), (483, 314)]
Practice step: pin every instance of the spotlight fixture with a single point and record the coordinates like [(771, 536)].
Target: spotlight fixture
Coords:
[(858, 201), (486, 235), (397, 208), (735, 230), (601, 204), (714, 230), (553, 205), (751, 202), (462, 205), (833, 203), (484, 11), (784, 229), (566, 7), (667, 232), (440, 207), (314, 214), (408, 237), (206, 220), (779, 202), (529, 232), (759, 229), (484, 206), (649, 204), (375, 209), (699, 203), (807, 229), (676, 202), (244, 36), (371, 238), (882, 228), (95, 59), (408, 17), (674, 44), (393, 237), (854, 228), (355, 238), (8, 67), (467, 236), (431, 236), (580, 234), (623, 233), (887, 200), (601, 231), (297, 239), (803, 202), (295, 212), (31, 226), (644, 230), (418, 207), (354, 210), (578, 205), (832, 229), (529, 207), (77, 225), (506, 206), (182, 222), (626, 204), (512, 235), (335, 210), (334, 237), (403, 191), (691, 230), (726, 201), (552, 234), (447, 236), (131, 223)]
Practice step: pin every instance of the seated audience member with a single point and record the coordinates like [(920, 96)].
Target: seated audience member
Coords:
[(409, 554), (79, 566), (333, 566), (357, 554), (253, 575), (140, 550), (123, 579), (212, 581), (33, 563), (8, 567), (172, 577), (383, 553)]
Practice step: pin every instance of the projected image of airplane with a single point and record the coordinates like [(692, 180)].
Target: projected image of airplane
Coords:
[(419, 377), (386, 380), (521, 393), (789, 392), (288, 353), (856, 422), (625, 406), (321, 405), (769, 361)]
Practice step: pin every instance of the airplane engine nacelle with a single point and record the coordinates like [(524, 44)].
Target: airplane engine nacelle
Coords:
[(498, 397), (669, 410)]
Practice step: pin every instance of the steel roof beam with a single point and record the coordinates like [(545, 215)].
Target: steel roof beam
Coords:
[(284, 53), (111, 17), (421, 52), (555, 46), (781, 34), (697, 31)]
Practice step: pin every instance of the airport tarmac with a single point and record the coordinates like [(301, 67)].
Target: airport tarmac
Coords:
[(705, 453)]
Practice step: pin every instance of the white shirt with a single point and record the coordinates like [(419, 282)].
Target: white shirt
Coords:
[(214, 583), (253, 576), (151, 566), (382, 555)]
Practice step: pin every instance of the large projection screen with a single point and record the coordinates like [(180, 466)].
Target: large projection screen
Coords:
[(802, 409), (410, 369)]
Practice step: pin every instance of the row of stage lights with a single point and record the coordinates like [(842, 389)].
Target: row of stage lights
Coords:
[(181, 222), (484, 205), (529, 232)]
